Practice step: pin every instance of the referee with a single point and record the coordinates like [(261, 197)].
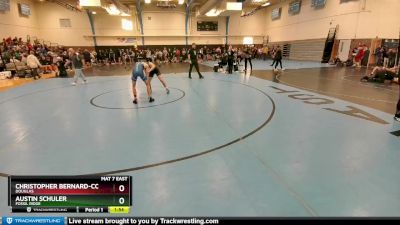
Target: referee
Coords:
[(193, 61)]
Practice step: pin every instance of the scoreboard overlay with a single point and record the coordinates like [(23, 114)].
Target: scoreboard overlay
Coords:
[(74, 194)]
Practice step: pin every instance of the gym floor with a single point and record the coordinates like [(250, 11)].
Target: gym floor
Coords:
[(310, 141)]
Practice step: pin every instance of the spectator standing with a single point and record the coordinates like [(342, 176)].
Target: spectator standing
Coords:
[(77, 63), (178, 55), (359, 56), (385, 56), (34, 64), (265, 52), (391, 58), (397, 115), (230, 59), (365, 58), (378, 56), (278, 57), (87, 58), (247, 57), (273, 51)]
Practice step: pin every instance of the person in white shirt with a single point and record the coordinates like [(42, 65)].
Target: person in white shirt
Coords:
[(78, 62), (33, 63)]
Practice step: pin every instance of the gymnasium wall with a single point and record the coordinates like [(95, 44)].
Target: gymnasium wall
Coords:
[(356, 19), (167, 27), (161, 27), (160, 23), (48, 20), (12, 24), (106, 26), (383, 21), (253, 26)]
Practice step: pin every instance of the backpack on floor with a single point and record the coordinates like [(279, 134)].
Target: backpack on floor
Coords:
[(216, 67), (349, 63)]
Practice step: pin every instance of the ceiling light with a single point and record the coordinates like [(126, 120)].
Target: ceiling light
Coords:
[(147, 1), (92, 3), (213, 12), (112, 10), (180, 2), (266, 4), (234, 6), (94, 13)]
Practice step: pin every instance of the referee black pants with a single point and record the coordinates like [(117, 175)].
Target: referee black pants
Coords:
[(278, 61), (230, 67), (196, 65), (245, 63)]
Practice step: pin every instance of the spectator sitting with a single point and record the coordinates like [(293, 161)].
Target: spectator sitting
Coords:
[(24, 57), (14, 60), (62, 71)]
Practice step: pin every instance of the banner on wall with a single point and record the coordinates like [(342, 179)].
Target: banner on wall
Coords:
[(276, 13), (24, 9), (318, 3), (127, 40), (4, 5)]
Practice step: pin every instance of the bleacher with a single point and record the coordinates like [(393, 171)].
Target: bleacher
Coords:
[(11, 68)]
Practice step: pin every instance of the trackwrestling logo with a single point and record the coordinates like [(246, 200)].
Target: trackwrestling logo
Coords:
[(33, 220)]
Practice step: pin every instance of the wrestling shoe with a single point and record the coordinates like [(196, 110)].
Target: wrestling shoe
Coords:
[(151, 99)]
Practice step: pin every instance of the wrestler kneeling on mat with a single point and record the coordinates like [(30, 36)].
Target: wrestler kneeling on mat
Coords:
[(154, 70), (140, 69)]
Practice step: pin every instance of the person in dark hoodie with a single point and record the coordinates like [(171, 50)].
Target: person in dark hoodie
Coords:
[(278, 57), (397, 115), (230, 59)]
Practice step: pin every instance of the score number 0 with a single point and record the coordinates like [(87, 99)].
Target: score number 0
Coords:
[(121, 200)]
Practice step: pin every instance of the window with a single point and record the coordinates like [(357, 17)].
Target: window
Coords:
[(65, 23), (294, 7), (127, 24), (276, 13), (248, 40)]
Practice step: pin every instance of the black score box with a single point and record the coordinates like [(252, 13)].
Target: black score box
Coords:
[(59, 193)]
